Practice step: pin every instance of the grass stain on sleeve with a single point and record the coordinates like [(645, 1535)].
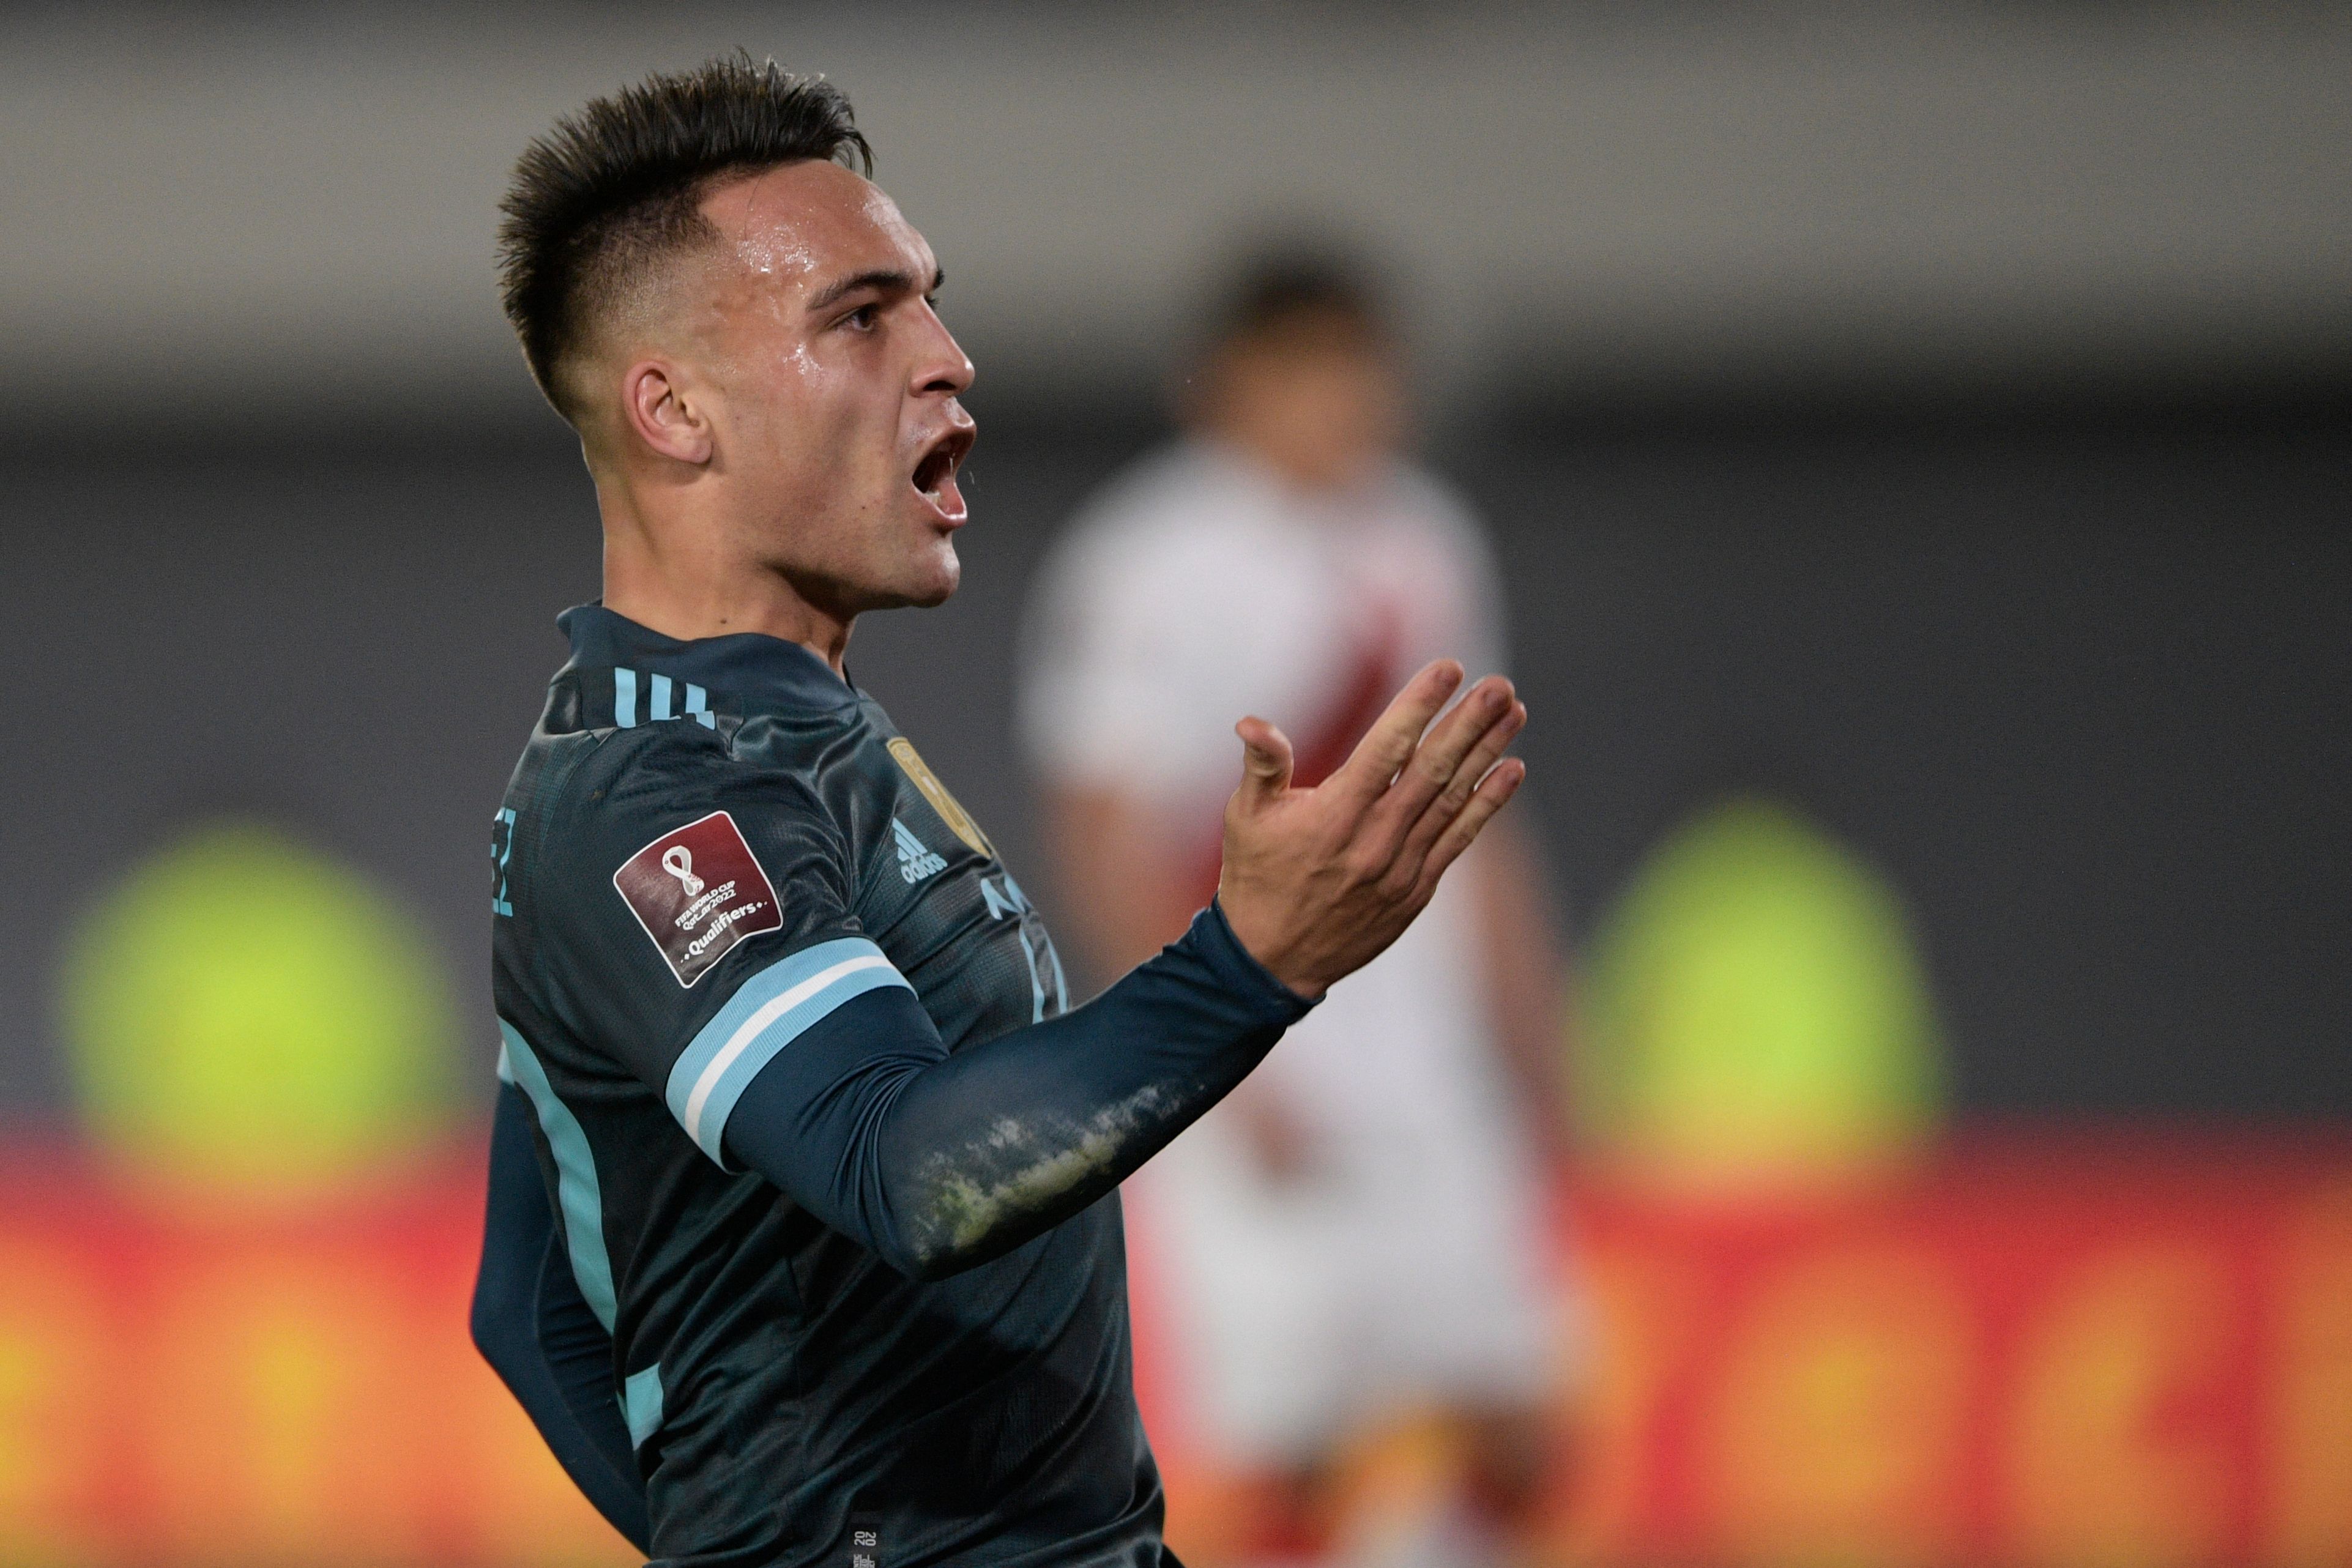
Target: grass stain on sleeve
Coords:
[(1018, 1169)]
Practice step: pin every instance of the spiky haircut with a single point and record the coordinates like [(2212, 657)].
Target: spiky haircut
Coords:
[(616, 187)]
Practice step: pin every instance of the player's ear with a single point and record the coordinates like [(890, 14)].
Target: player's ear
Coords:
[(663, 414)]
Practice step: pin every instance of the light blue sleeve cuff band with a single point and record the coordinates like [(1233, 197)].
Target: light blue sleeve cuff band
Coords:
[(767, 1012)]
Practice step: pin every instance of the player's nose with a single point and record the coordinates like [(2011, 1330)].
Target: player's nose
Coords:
[(941, 364)]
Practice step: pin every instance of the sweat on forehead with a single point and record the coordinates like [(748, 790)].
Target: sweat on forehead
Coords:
[(802, 223)]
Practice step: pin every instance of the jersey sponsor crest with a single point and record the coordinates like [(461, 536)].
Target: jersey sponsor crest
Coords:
[(958, 820), (696, 891)]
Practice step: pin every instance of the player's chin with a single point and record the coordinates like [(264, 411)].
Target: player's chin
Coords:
[(931, 578), (933, 597)]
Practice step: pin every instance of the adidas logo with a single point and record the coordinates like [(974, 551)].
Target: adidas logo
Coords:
[(915, 861)]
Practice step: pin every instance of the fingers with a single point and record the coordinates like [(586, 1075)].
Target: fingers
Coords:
[(1265, 764), (1464, 774), (1496, 788), (1389, 745), (1434, 767)]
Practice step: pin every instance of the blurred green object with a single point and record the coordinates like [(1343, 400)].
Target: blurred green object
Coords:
[(1756, 1005), (245, 1012)]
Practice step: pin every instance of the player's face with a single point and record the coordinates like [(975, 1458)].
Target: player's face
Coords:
[(1324, 409), (837, 384)]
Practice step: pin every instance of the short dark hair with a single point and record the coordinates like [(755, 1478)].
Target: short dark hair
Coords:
[(618, 185), (1277, 290)]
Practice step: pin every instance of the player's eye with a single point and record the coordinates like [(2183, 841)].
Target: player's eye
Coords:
[(865, 318)]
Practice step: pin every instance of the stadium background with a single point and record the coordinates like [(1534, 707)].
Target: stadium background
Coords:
[(1928, 417)]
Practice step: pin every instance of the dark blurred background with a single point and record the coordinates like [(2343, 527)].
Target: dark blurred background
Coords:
[(1934, 414)]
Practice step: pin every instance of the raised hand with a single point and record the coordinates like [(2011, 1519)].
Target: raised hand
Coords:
[(1317, 882)]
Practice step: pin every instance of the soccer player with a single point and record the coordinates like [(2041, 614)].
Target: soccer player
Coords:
[(804, 1241), (1352, 1242)]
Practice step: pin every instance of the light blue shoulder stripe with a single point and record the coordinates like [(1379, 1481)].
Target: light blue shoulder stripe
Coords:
[(660, 705), (624, 698), (576, 1191), (766, 1013), (697, 707), (641, 1403)]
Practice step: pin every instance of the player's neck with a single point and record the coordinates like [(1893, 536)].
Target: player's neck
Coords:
[(689, 592)]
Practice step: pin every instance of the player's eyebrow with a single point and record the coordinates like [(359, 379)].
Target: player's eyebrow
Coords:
[(888, 280)]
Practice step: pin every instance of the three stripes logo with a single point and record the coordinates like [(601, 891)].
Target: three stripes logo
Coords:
[(661, 700), (916, 861)]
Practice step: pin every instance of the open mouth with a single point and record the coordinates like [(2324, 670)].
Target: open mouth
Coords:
[(935, 474)]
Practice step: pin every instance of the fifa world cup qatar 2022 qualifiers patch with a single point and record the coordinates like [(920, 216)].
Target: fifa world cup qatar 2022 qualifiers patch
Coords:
[(699, 889)]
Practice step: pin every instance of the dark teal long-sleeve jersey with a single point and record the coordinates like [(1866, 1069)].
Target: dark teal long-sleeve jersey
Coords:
[(831, 1159)]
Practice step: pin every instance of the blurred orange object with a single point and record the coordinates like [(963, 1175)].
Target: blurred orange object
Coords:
[(2038, 1349), (200, 1385)]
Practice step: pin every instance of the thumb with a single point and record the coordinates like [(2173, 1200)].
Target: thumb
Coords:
[(1265, 763)]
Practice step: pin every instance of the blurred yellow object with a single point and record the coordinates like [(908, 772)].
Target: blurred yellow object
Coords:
[(1756, 1005), (244, 1013)]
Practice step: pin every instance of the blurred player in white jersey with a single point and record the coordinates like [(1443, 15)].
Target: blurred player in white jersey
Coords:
[(1355, 1238)]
